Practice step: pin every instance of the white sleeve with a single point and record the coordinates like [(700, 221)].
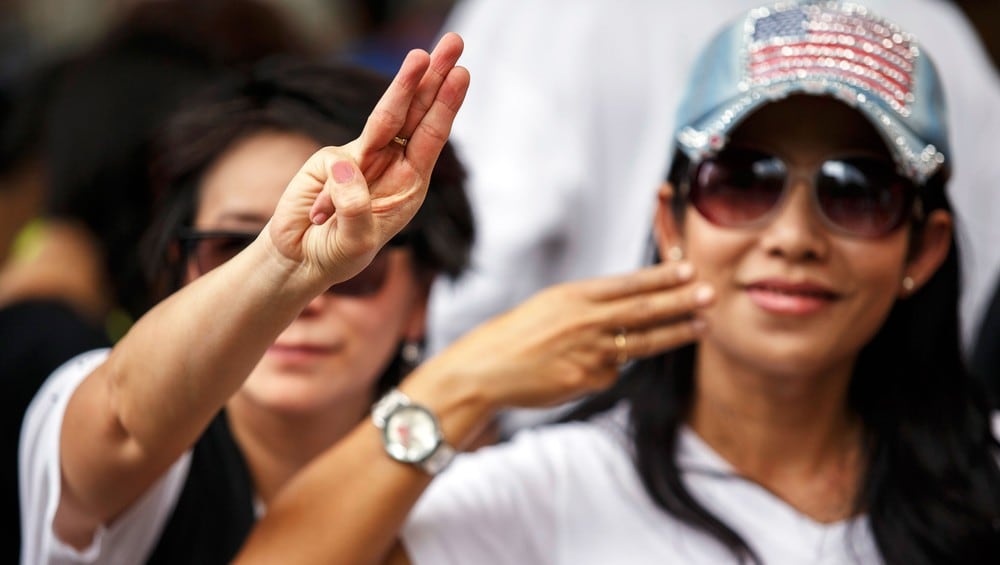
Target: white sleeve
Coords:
[(132, 536)]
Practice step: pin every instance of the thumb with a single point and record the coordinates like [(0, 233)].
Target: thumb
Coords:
[(350, 200)]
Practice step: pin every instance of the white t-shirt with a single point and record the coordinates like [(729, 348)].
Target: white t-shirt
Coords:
[(576, 486), (132, 536)]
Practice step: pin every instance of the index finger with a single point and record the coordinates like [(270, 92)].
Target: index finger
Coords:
[(443, 60), (648, 279)]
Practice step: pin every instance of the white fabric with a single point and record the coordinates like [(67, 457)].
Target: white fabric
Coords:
[(569, 494), (132, 536), (566, 132)]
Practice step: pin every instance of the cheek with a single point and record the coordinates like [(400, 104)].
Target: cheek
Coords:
[(716, 253), (877, 271)]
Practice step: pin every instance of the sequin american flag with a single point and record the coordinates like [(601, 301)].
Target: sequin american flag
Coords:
[(829, 40)]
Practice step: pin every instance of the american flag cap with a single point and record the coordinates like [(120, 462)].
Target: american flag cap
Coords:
[(823, 48)]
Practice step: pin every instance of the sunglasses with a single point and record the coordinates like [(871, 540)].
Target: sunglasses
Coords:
[(209, 249), (856, 196)]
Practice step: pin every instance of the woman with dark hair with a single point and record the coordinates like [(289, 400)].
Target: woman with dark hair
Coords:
[(821, 412), (157, 451)]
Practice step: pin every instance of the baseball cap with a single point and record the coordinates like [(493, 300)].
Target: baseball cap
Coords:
[(823, 48)]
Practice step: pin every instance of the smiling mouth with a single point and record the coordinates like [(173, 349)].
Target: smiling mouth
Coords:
[(790, 300)]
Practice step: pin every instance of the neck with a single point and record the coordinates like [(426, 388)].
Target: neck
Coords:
[(277, 445), (791, 433)]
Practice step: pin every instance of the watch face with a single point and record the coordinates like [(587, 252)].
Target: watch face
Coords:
[(411, 434)]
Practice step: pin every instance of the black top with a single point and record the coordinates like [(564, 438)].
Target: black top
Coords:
[(36, 337), (215, 513)]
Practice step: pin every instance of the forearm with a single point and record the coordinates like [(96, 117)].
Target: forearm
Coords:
[(352, 502), (174, 370)]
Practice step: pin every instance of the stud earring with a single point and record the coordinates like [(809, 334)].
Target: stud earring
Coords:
[(675, 253), (908, 283), (412, 353)]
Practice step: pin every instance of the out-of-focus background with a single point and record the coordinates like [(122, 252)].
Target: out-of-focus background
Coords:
[(34, 29)]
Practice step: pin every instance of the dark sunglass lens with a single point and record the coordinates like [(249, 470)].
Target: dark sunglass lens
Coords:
[(737, 187), (865, 197), (367, 282), (212, 251)]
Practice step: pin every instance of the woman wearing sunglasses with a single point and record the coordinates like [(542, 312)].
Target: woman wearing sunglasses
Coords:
[(126, 457), (821, 415)]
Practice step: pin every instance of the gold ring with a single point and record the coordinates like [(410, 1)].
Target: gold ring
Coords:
[(621, 345), (402, 141)]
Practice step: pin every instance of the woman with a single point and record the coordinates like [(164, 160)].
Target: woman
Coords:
[(122, 450), (823, 414)]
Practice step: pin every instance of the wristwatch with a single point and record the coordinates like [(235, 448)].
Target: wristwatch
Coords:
[(411, 434)]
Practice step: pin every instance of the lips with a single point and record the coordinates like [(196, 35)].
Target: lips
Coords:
[(790, 298), (298, 352)]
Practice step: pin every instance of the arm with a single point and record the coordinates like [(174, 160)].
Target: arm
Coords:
[(153, 397), (558, 345)]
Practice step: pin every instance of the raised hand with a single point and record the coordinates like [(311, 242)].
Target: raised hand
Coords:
[(346, 202), (570, 339)]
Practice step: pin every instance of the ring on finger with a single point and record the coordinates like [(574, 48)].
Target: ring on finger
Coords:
[(401, 141), (621, 347)]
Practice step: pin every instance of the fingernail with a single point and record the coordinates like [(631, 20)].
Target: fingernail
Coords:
[(684, 270), (343, 171), (319, 218), (698, 325), (704, 294)]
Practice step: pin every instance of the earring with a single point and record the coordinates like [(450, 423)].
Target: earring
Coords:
[(908, 283), (412, 353), (675, 253)]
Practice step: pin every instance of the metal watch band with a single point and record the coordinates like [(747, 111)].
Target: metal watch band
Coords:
[(442, 455), (392, 400)]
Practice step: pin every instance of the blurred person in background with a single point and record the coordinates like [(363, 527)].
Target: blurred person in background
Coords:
[(74, 281), (208, 450), (37, 333)]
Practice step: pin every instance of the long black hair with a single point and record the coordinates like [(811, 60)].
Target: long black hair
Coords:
[(325, 101), (931, 486)]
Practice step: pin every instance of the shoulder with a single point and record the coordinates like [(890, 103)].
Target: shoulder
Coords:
[(132, 534), (52, 397)]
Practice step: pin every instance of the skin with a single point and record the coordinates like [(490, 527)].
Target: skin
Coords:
[(314, 383), (770, 385), (773, 370)]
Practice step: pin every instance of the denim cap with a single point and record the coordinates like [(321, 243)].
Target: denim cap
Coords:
[(822, 48)]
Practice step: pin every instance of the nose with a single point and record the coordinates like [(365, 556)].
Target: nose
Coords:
[(796, 232), (315, 305)]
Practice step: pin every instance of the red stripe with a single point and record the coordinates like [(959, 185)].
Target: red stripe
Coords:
[(766, 55), (771, 49), (781, 73)]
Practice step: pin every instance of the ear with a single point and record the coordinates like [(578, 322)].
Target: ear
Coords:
[(665, 228), (932, 249)]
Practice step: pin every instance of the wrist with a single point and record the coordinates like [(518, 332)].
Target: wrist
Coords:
[(461, 408)]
